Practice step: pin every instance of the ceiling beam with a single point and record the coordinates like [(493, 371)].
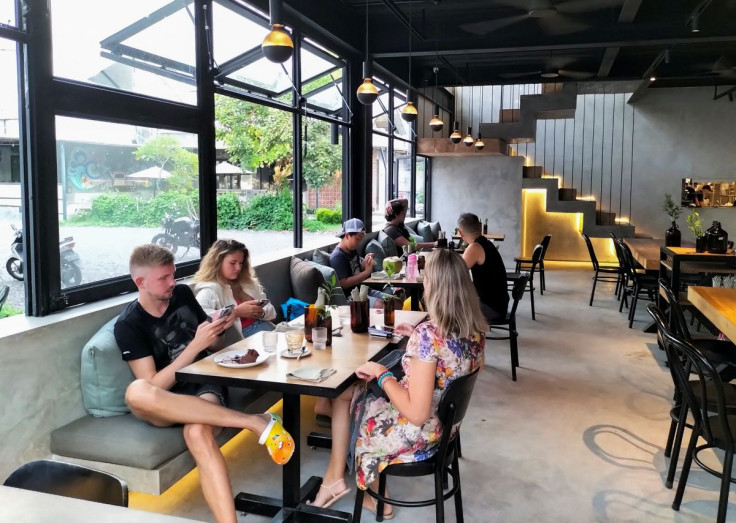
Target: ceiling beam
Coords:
[(403, 19), (608, 58), (658, 42), (646, 79), (629, 11)]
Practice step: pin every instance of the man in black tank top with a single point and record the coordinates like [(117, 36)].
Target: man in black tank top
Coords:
[(486, 267)]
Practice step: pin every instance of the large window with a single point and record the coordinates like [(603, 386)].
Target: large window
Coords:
[(421, 178), (141, 46), (122, 186), (7, 12)]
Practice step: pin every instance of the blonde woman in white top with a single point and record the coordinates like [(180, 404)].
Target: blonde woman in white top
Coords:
[(226, 277)]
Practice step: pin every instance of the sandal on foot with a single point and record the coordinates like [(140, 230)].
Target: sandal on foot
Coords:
[(373, 507), (334, 496), (279, 443)]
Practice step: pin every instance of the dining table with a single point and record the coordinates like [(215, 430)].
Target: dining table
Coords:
[(413, 287), (347, 352), (718, 304), (646, 251)]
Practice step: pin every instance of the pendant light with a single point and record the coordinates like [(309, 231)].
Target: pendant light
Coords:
[(479, 142), (277, 46), (456, 137), (468, 140), (435, 123), (409, 112), (367, 92)]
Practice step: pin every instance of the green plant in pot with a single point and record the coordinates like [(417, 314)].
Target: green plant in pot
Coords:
[(672, 237), (696, 228)]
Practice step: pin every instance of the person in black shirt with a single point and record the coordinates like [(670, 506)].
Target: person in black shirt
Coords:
[(486, 266), (164, 330), (395, 229)]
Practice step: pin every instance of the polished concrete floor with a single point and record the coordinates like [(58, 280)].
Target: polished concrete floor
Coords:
[(578, 438)]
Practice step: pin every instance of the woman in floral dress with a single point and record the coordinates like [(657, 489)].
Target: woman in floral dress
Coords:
[(405, 428)]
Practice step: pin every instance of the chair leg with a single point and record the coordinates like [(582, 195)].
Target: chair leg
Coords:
[(725, 487), (675, 449), (439, 504), (632, 310), (382, 491), (358, 508), (514, 351), (685, 469), (531, 295), (459, 517), (592, 293), (618, 284), (542, 281), (458, 446)]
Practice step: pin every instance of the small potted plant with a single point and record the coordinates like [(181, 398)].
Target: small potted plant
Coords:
[(672, 237), (696, 227)]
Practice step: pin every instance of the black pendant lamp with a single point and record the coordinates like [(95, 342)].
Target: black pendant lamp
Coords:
[(409, 112), (468, 140), (435, 123), (367, 92), (455, 137), (277, 46), (479, 142)]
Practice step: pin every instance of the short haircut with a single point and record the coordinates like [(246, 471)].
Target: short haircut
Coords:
[(150, 255), (469, 223), (706, 187)]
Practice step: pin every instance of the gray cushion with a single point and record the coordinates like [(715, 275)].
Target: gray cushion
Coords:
[(417, 237), (126, 440), (378, 253), (104, 374), (305, 280), (436, 228), (389, 246), (425, 232), (338, 296), (321, 257)]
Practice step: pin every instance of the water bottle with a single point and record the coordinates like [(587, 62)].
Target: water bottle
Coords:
[(411, 268)]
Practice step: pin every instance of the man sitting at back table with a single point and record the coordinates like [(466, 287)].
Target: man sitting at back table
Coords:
[(162, 331), (486, 266)]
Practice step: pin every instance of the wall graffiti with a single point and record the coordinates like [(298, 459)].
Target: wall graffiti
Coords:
[(87, 171)]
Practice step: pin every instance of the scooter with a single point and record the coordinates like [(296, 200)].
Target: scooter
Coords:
[(71, 275), (179, 232)]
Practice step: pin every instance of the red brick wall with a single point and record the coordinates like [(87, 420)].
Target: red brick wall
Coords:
[(329, 195)]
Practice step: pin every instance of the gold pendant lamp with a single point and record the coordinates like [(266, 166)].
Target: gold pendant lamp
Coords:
[(367, 92), (468, 140), (455, 137), (479, 142), (435, 123), (409, 112), (277, 46)]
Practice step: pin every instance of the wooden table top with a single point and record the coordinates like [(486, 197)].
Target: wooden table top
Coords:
[(399, 282), (495, 236), (346, 354), (691, 251), (718, 304), (645, 251)]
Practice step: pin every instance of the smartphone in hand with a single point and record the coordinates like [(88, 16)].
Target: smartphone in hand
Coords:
[(225, 311), (263, 302)]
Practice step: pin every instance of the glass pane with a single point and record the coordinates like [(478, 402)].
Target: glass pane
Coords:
[(121, 186), (313, 64), (10, 176), (420, 185), (380, 118), (255, 207), (323, 170), (131, 46), (402, 166), (7, 12), (380, 168), (228, 22), (267, 77), (403, 128)]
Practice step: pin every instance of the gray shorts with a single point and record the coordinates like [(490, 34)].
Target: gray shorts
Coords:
[(197, 389)]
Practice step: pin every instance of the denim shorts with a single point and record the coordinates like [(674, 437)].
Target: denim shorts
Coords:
[(197, 389)]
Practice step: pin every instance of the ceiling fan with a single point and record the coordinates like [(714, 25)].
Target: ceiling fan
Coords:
[(724, 67), (555, 17)]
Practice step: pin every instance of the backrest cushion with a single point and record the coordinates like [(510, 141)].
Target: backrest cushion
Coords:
[(321, 257), (435, 227), (378, 253), (104, 374), (389, 246), (425, 232), (306, 278)]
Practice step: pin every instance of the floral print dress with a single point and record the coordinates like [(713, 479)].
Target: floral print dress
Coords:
[(386, 436)]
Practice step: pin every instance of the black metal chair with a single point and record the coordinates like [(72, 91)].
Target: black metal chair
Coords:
[(509, 322), (72, 481), (716, 429), (602, 272), (526, 264), (637, 283), (452, 408), (512, 277)]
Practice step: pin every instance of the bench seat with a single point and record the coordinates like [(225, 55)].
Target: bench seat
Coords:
[(150, 459)]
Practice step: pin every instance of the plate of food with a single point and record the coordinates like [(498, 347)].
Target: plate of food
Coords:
[(241, 358), (296, 353), (380, 275)]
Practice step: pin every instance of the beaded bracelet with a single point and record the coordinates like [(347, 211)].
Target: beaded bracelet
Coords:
[(383, 377)]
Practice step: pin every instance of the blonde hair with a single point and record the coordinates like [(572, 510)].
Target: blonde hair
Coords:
[(209, 267), (149, 255), (451, 298)]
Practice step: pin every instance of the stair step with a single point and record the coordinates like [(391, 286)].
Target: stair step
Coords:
[(551, 88), (533, 171), (509, 115), (567, 195), (605, 218)]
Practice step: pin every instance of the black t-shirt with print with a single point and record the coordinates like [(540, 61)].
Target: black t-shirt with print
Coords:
[(346, 264), (138, 334)]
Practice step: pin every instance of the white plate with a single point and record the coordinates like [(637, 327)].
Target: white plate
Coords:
[(225, 359), (380, 275), (286, 354)]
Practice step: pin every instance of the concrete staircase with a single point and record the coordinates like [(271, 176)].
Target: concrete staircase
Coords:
[(520, 126)]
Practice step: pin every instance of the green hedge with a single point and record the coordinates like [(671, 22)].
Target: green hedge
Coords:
[(122, 210), (329, 215)]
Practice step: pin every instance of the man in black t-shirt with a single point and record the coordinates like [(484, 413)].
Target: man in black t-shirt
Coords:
[(164, 330)]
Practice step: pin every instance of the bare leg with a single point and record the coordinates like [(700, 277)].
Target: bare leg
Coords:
[(340, 439), (163, 408), (213, 475), (323, 406), (371, 503)]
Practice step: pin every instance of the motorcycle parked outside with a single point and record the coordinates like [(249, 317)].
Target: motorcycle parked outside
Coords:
[(71, 274), (178, 232)]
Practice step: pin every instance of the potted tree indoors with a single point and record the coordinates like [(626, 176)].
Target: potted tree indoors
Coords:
[(672, 237), (696, 228)]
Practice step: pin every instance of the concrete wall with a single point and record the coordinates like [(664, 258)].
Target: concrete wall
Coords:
[(489, 186)]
